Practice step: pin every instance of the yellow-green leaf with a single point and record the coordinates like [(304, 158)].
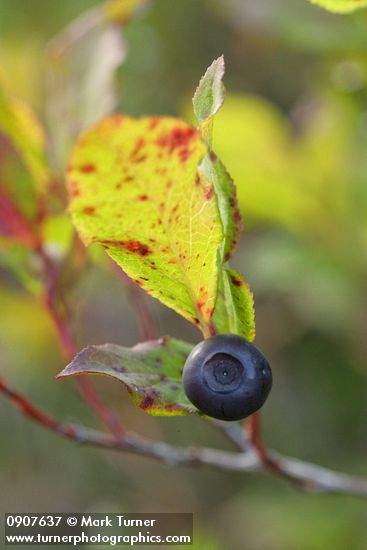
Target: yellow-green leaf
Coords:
[(136, 188), (21, 127), (340, 6), (23, 171)]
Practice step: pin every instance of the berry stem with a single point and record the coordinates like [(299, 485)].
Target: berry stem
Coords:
[(256, 440)]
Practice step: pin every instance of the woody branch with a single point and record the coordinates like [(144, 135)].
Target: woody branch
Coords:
[(307, 476)]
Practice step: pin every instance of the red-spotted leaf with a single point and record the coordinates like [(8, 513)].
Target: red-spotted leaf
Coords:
[(151, 372), (137, 189)]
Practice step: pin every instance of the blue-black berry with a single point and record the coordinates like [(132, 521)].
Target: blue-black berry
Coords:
[(226, 377)]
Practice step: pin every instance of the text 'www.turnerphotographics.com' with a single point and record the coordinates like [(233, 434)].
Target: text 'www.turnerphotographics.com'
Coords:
[(100, 529)]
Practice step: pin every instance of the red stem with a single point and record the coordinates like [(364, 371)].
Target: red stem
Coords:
[(212, 329), (256, 440), (33, 412), (59, 315), (254, 431)]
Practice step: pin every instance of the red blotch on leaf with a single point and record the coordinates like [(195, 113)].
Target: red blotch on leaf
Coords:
[(116, 120), (237, 217), (147, 402), (177, 139), (134, 157), (236, 281), (209, 312), (208, 193), (74, 188), (132, 246), (142, 158), (87, 168), (153, 123), (143, 197), (184, 154), (90, 210)]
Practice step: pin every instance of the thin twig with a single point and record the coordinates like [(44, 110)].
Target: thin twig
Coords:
[(233, 432), (308, 476)]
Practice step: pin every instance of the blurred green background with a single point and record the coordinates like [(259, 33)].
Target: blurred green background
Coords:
[(293, 133)]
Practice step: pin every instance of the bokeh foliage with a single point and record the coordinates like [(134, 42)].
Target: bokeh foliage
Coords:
[(293, 132)]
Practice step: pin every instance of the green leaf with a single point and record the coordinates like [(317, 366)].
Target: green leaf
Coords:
[(151, 372), (234, 312), (136, 188), (21, 127), (340, 6), (234, 309), (209, 97), (214, 173)]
